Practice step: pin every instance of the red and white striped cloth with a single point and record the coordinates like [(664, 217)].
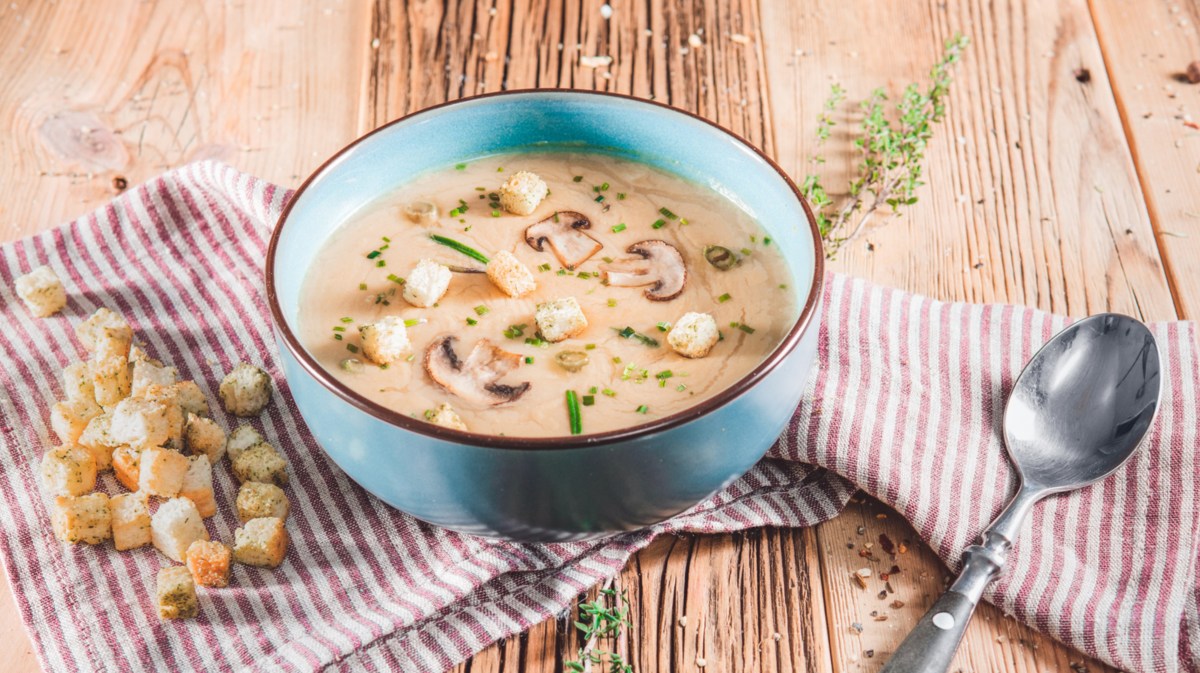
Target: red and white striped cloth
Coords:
[(905, 404)]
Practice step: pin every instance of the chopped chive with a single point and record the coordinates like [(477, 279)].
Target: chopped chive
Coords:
[(753, 238), (543, 267), (681, 387), (618, 228), (664, 326), (604, 187), (499, 169), (386, 239), (742, 326), (464, 249), (352, 348), (459, 167), (629, 333), (589, 400), (747, 251), (783, 286), (528, 359), (537, 342), (612, 302), (384, 366), (495, 213), (339, 328), (643, 409), (562, 272), (664, 374), (362, 286), (472, 322), (515, 331), (599, 198), (766, 240), (584, 275), (616, 360), (659, 224), (683, 220), (578, 178), (573, 413), (481, 310), (347, 319), (724, 298), (481, 189), (395, 279), (608, 392), (589, 347), (337, 337), (381, 263), (607, 259), (373, 254), (413, 322), (593, 390), (667, 213), (620, 196)]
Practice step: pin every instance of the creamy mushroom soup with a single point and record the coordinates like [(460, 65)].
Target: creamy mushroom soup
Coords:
[(439, 302)]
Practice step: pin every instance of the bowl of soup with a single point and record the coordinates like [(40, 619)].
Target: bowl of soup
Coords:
[(546, 315)]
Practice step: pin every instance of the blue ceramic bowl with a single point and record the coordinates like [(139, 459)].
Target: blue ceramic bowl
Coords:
[(547, 488)]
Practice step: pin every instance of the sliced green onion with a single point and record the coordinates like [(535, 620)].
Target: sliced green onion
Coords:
[(381, 262), (593, 390), (339, 328), (528, 359), (337, 337), (643, 409), (664, 326), (373, 254), (629, 333), (459, 167), (681, 387), (589, 347), (573, 413), (481, 310), (347, 319), (742, 326), (620, 196), (362, 286), (724, 298), (667, 213), (472, 322), (608, 392), (618, 228), (461, 247), (578, 178), (515, 331), (589, 400), (659, 224), (612, 302), (413, 322), (352, 348), (543, 267), (395, 279)]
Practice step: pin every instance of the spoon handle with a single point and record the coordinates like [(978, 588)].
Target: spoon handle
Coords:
[(930, 646)]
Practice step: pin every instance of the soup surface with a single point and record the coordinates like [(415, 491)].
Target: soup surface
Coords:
[(632, 375)]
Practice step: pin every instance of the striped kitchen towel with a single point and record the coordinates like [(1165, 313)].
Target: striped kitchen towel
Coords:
[(905, 404)]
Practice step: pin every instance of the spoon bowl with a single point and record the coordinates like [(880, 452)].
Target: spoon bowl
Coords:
[(1083, 403)]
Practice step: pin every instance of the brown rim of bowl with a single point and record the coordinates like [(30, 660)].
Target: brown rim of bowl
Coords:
[(569, 441)]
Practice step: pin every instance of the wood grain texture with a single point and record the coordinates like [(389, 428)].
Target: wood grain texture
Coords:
[(1147, 48), (1034, 198)]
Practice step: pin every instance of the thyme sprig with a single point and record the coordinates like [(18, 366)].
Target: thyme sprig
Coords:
[(601, 619), (893, 151)]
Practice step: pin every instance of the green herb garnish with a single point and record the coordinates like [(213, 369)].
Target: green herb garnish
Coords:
[(413, 322), (381, 262), (629, 333), (573, 413), (724, 298), (667, 213), (659, 224), (543, 267), (618, 228), (395, 279), (742, 326), (481, 310), (352, 348), (460, 247), (643, 409), (472, 322), (578, 178), (339, 328), (515, 331), (589, 400), (664, 326), (373, 254), (528, 359), (608, 392), (459, 167), (347, 319)]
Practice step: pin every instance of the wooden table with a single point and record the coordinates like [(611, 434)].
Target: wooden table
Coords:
[(1064, 177)]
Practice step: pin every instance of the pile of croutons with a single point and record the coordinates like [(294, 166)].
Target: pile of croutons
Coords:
[(127, 412)]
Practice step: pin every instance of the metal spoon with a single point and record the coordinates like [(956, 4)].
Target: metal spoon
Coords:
[(1077, 413)]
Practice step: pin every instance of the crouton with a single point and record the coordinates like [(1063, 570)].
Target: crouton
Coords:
[(208, 561), (140, 423), (68, 470), (245, 390), (426, 283), (136, 355), (168, 396), (175, 593), (130, 521), (175, 526), (126, 462), (82, 518), (510, 275), (242, 438), (70, 418), (445, 416), (522, 192), (161, 472), (42, 292), (110, 379), (191, 398), (260, 542), (261, 463), (256, 500), (111, 342), (104, 323), (203, 436), (385, 340), (197, 485), (77, 382), (693, 335), (146, 374), (560, 319), (96, 438)]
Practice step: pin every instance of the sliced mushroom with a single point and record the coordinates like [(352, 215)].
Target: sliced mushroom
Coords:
[(564, 232), (475, 379), (658, 264)]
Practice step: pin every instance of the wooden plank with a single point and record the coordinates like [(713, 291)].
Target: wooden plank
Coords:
[(1032, 198), (130, 91), (1147, 48)]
